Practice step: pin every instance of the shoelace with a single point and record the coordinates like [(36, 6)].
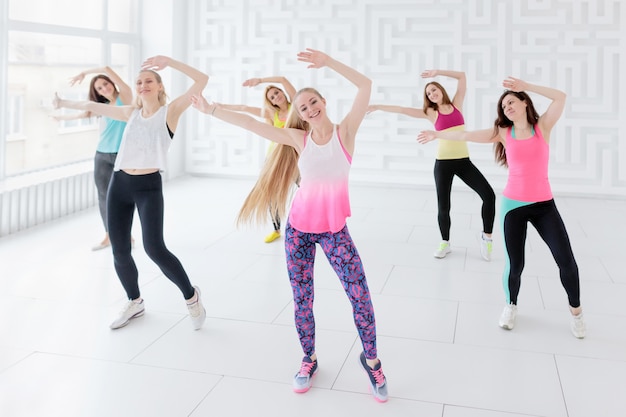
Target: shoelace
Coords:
[(442, 246), (128, 306), (378, 375), (194, 309), (305, 368)]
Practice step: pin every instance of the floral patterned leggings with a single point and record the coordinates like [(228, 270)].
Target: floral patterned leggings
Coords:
[(346, 262)]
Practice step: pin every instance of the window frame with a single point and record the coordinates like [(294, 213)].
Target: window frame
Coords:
[(107, 38)]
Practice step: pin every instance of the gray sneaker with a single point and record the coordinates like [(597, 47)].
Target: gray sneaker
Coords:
[(130, 311), (197, 312), (378, 382)]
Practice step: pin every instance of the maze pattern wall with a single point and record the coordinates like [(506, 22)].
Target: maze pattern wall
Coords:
[(578, 46)]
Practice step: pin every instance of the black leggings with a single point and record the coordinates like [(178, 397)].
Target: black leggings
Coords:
[(275, 220), (145, 192), (545, 217), (445, 170), (102, 170)]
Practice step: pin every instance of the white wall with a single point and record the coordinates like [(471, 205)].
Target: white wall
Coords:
[(577, 46), (163, 32)]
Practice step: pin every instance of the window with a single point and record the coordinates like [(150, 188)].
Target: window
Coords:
[(46, 46), (15, 114)]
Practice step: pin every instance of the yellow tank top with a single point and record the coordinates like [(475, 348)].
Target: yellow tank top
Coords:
[(452, 149), (276, 122)]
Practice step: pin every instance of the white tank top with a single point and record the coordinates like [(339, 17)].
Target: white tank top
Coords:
[(145, 142)]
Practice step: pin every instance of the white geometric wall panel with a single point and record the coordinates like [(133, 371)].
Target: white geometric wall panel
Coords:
[(577, 46)]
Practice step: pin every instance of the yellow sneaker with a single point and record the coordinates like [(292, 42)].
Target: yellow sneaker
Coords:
[(272, 236)]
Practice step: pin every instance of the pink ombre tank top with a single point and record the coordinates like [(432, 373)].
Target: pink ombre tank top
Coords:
[(321, 203)]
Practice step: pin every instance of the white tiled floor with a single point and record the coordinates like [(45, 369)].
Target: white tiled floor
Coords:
[(442, 350)]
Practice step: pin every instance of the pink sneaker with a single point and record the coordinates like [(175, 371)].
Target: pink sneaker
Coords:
[(302, 380)]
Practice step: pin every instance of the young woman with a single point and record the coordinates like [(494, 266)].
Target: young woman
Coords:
[(452, 157), (137, 183), (276, 106), (106, 87), (323, 152), (521, 139)]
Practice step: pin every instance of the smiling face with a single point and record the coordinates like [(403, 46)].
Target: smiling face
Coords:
[(148, 85), (434, 93), (310, 106), (276, 97), (104, 88)]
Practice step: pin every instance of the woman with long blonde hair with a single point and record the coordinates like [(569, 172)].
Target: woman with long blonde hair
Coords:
[(137, 183), (275, 109), (321, 152)]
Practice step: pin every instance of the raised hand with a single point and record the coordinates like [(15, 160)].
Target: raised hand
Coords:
[(317, 59), (429, 73), (252, 82), (77, 79), (515, 84), (155, 63), (56, 101), (200, 103)]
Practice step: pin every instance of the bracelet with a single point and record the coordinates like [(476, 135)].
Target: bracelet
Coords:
[(214, 108)]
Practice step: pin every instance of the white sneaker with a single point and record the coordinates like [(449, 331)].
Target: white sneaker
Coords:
[(507, 319), (486, 246), (578, 326), (197, 312), (443, 250), (130, 311)]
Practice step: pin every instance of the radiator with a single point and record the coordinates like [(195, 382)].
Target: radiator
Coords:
[(30, 205)]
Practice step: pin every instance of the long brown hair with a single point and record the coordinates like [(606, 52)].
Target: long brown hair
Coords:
[(278, 176), (93, 93), (503, 122), (445, 99)]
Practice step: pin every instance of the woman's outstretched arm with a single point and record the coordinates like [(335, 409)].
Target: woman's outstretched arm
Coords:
[(114, 112), (286, 136)]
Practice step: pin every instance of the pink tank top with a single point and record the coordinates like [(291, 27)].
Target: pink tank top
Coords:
[(321, 203), (528, 168)]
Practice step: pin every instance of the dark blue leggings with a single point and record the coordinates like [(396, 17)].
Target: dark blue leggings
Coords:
[(145, 192), (545, 217), (445, 170)]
